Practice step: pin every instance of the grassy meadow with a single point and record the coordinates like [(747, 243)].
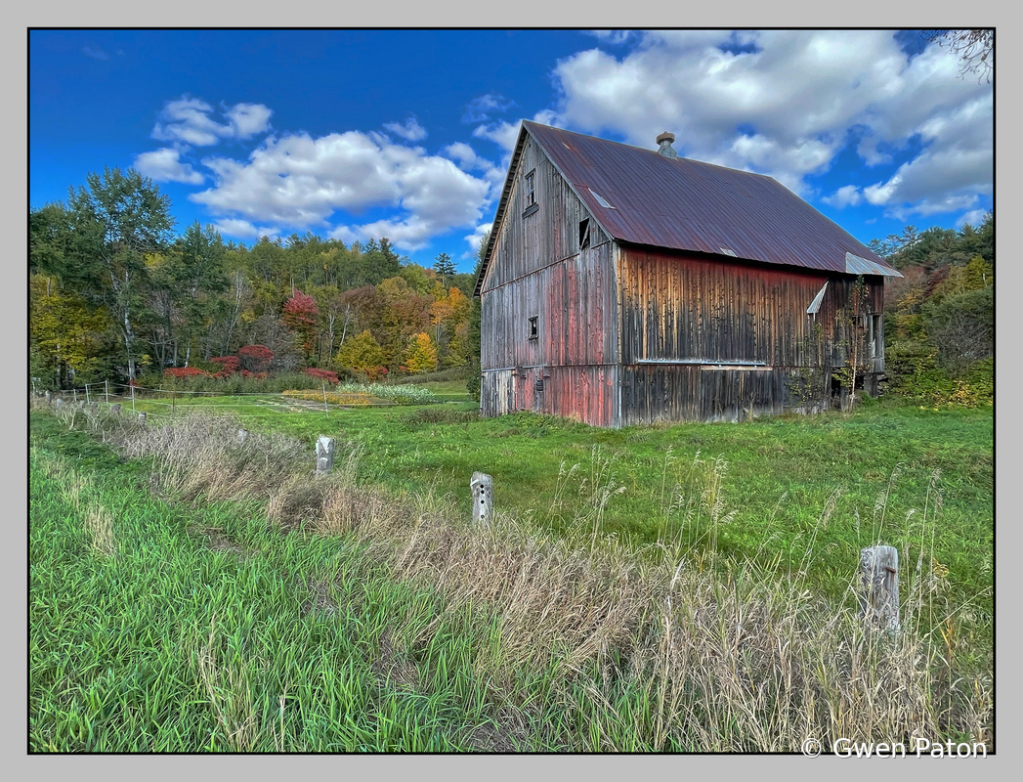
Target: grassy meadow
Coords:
[(665, 588)]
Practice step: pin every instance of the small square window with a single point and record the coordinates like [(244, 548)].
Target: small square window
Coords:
[(529, 194), (534, 327)]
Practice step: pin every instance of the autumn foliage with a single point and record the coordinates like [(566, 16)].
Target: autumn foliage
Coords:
[(180, 373), (255, 358), (323, 374)]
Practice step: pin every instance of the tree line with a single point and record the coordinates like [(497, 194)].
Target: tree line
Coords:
[(940, 316), (114, 295)]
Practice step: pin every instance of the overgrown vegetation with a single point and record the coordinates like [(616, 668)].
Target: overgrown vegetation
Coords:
[(189, 592), (939, 318)]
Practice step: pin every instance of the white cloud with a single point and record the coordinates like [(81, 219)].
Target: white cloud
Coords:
[(613, 37), (475, 238), (411, 130), (188, 120), (96, 54), (243, 229), (787, 104), (480, 109), (849, 195), (502, 133), (248, 119), (464, 155), (301, 181), (164, 165), (974, 218)]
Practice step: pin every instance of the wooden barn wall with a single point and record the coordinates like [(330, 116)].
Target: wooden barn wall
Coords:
[(681, 307), (701, 393), (700, 312), (539, 271), (551, 233)]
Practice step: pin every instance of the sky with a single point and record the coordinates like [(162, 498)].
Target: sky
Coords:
[(361, 134)]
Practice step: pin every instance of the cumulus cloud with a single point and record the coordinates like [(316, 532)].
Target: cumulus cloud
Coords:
[(484, 107), (474, 239), (502, 133), (188, 120), (244, 230), (411, 130), (301, 181), (974, 218), (165, 165), (785, 103), (845, 196)]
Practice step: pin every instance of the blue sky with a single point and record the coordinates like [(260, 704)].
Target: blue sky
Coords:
[(407, 133)]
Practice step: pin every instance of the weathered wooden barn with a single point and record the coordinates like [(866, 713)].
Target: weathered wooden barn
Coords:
[(623, 285)]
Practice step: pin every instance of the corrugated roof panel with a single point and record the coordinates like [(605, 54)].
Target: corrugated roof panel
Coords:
[(684, 204)]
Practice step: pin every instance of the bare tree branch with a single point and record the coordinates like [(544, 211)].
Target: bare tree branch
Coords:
[(974, 48)]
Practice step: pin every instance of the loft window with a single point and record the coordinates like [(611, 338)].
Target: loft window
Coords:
[(529, 193), (584, 233), (534, 327)]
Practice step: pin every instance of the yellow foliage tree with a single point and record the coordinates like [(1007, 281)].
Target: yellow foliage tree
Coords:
[(421, 354), (64, 330)]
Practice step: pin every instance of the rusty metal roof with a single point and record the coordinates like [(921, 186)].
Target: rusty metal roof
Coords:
[(641, 197)]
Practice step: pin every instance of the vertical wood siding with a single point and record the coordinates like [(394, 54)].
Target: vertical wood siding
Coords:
[(539, 271), (702, 313)]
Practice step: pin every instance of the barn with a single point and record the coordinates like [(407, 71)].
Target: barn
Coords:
[(623, 285)]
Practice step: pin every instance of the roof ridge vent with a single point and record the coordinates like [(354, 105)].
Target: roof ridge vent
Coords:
[(664, 145)]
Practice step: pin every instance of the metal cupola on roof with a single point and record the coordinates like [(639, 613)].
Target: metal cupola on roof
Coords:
[(664, 145)]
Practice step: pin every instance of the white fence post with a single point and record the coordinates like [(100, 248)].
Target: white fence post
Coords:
[(324, 455), (482, 486)]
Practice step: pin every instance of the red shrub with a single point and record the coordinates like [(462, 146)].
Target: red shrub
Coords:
[(322, 374), (228, 364), (255, 358), (183, 372)]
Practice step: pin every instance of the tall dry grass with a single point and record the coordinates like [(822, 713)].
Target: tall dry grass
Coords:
[(647, 653)]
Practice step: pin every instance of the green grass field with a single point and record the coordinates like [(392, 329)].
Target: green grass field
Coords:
[(876, 476), (178, 610)]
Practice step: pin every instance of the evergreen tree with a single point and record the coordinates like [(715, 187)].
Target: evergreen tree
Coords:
[(444, 266)]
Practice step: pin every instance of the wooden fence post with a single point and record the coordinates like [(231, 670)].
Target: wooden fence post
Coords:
[(324, 455), (482, 486), (49, 398), (879, 587), (87, 399), (106, 390), (132, 396), (326, 412)]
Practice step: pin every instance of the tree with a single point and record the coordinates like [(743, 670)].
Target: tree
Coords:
[(65, 333), (974, 48), (421, 354), (196, 270), (300, 315), (110, 227), (361, 354), (443, 266)]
